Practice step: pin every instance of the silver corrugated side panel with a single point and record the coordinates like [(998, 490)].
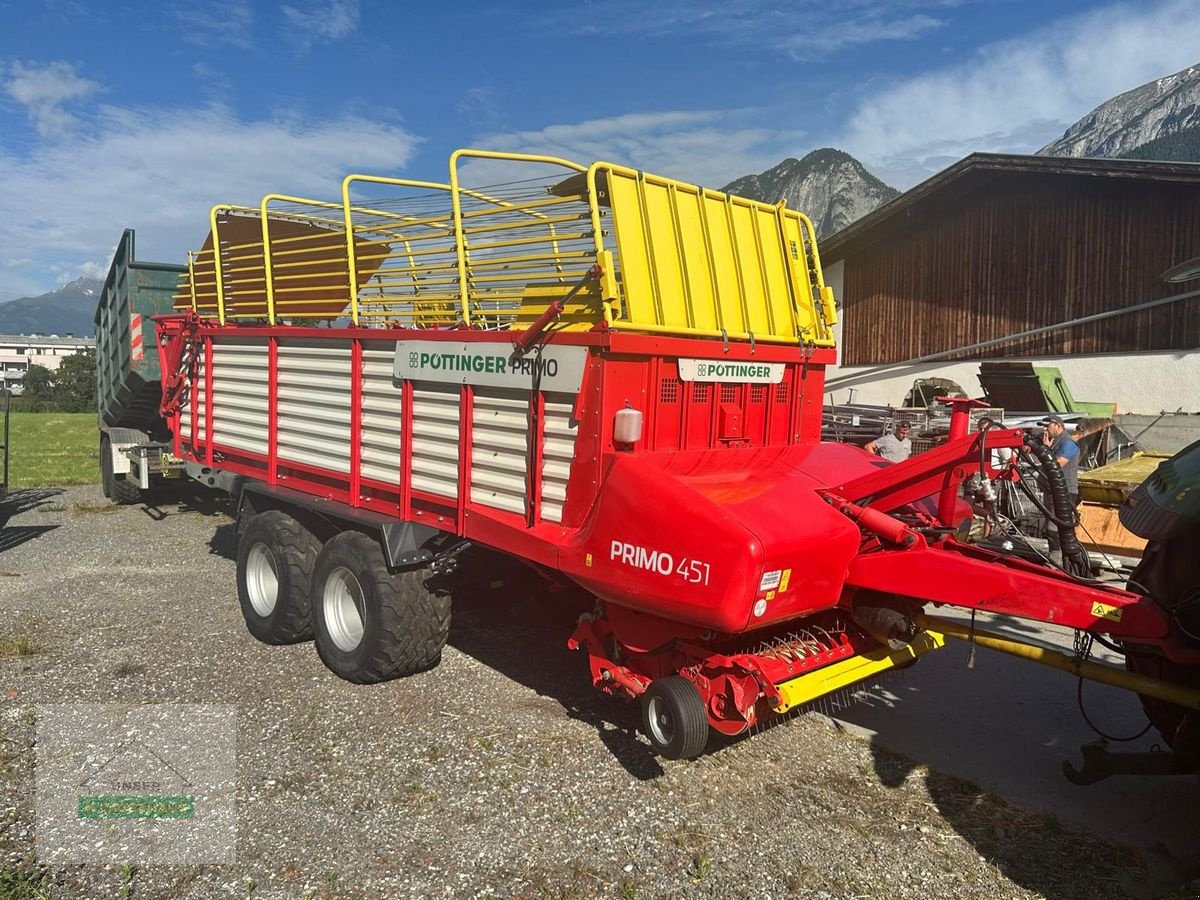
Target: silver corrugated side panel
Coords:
[(500, 448), (558, 449), (435, 438), (313, 408), (382, 408), (240, 401), (192, 416)]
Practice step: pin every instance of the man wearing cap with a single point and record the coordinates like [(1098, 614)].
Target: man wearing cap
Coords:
[(1066, 454), (895, 447)]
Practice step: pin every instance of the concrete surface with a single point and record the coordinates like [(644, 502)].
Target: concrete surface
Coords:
[(1007, 724)]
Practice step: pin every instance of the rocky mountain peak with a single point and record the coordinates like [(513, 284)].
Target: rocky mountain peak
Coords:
[(89, 287), (828, 185), (1155, 111)]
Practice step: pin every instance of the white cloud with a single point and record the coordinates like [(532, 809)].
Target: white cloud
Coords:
[(1017, 95), (806, 33), (43, 90), (159, 171), (870, 29), (321, 20), (478, 107), (214, 84), (227, 24), (708, 147), (89, 269)]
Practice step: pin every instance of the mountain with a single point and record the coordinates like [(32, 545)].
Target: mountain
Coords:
[(1159, 120), (1182, 146), (830, 187), (68, 310)]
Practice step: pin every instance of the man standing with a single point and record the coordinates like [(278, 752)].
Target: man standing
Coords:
[(1066, 454), (894, 447)]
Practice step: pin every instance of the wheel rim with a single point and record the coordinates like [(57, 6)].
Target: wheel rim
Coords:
[(262, 581), (661, 723), (342, 601)]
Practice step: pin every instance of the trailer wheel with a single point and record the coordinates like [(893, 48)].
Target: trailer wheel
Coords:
[(674, 718), (276, 557), (373, 624), (115, 487)]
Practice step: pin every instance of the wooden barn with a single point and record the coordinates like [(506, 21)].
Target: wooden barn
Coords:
[(1000, 245)]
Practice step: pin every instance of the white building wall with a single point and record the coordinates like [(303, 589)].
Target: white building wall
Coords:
[(1137, 382), (19, 352)]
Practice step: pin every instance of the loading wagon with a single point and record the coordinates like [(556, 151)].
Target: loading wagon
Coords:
[(133, 436), (616, 378)]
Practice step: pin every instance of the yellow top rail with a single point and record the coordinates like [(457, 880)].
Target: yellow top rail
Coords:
[(676, 258)]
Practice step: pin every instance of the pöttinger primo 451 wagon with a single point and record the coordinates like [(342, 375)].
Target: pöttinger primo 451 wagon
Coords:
[(614, 377)]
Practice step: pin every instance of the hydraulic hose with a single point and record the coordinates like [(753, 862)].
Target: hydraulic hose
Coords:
[(1074, 558)]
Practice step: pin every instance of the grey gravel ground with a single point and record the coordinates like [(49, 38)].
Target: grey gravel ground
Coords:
[(500, 772)]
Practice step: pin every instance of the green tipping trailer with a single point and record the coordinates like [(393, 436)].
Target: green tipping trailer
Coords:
[(134, 439)]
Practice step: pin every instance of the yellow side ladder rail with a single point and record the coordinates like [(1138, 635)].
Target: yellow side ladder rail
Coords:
[(456, 201), (268, 255), (348, 212), (216, 242)]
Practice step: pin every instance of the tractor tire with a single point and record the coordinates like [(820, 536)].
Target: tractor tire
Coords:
[(116, 487), (106, 466), (372, 624), (674, 718), (275, 563), (125, 492)]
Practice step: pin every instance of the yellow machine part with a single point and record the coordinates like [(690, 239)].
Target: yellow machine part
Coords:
[(844, 673), (1179, 694), (699, 261), (675, 258)]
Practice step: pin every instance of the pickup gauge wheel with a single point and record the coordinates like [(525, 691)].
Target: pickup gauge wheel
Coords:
[(674, 718)]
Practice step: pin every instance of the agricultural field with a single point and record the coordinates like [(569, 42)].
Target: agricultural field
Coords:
[(52, 449)]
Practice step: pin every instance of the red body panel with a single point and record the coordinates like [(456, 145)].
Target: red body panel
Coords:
[(722, 518)]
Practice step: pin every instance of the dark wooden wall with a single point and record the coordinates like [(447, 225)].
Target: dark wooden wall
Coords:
[(1022, 251)]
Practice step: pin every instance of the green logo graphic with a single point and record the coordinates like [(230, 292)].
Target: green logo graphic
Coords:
[(149, 807)]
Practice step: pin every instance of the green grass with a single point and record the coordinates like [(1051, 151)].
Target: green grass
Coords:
[(47, 449), (15, 644)]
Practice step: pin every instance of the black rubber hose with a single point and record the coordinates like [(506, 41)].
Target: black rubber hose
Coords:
[(1074, 557)]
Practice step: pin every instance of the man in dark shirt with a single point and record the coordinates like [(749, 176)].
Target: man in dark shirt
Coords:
[(1066, 454)]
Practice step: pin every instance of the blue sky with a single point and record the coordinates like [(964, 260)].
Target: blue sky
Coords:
[(142, 115)]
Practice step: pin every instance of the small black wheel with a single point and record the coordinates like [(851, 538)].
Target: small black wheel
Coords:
[(371, 623), (674, 718), (106, 466), (116, 487), (276, 559)]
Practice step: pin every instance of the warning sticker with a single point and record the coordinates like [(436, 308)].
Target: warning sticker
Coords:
[(770, 580), (783, 582), (1104, 611)]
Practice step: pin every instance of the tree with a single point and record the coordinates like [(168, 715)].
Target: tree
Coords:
[(75, 382), (37, 387)]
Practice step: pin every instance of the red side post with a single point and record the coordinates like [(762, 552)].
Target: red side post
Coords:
[(960, 425)]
